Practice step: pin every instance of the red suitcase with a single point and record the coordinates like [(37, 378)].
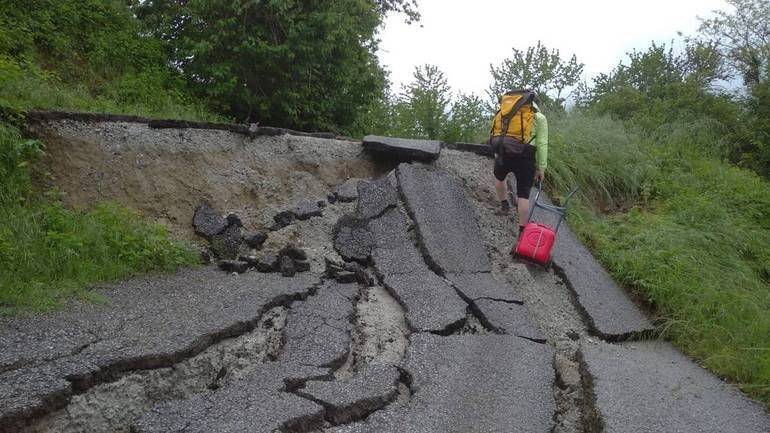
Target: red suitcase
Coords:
[(536, 242)]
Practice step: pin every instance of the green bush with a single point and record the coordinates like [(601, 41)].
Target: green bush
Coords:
[(49, 253), (24, 85), (598, 154), (15, 154), (693, 243)]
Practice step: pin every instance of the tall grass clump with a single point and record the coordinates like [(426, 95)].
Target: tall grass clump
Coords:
[(600, 156), (693, 243), (25, 86), (49, 253)]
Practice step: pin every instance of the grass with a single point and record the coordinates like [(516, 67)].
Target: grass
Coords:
[(49, 254), (682, 229), (25, 86)]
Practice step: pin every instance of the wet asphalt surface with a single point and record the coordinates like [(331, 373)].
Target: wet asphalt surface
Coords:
[(477, 360)]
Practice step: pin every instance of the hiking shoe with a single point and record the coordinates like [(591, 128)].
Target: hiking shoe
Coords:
[(505, 208)]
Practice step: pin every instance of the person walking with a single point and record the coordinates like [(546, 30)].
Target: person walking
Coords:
[(519, 140)]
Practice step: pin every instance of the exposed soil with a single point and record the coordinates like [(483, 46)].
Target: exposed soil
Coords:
[(166, 173)]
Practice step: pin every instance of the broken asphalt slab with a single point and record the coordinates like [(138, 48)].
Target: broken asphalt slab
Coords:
[(652, 387), (374, 197), (479, 149), (317, 331), (403, 149), (510, 318), (430, 303), (607, 310), (483, 286), (496, 305), (180, 315), (356, 397), (207, 221), (446, 224), (347, 191), (394, 249), (478, 383), (258, 403), (352, 239)]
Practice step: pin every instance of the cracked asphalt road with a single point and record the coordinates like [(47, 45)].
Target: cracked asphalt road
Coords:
[(452, 337)]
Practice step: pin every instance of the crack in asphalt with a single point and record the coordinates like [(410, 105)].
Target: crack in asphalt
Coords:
[(590, 417), (507, 301), (169, 372), (588, 320), (360, 409), (432, 265), (23, 363)]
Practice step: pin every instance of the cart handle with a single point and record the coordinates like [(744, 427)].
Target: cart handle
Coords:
[(558, 210)]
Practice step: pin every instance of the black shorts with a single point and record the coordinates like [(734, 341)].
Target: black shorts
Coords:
[(523, 167)]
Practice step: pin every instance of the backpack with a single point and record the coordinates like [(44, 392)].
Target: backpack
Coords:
[(513, 123)]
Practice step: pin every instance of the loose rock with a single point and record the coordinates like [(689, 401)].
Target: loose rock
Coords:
[(287, 266), (294, 252), (205, 256), (305, 209), (234, 266), (268, 263), (347, 191), (234, 220), (250, 260), (302, 265), (352, 239), (284, 218), (255, 240), (207, 222), (226, 245)]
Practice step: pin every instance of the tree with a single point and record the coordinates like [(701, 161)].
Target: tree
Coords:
[(660, 85), (302, 64), (406, 7), (660, 90), (469, 120), (80, 40), (742, 36), (538, 68), (425, 102), (653, 71)]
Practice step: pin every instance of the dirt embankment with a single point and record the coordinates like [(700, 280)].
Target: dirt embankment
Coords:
[(165, 173)]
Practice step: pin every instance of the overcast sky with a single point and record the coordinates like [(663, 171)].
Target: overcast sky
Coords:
[(462, 37)]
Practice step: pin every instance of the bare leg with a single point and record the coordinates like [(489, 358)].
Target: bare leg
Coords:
[(523, 208), (501, 189)]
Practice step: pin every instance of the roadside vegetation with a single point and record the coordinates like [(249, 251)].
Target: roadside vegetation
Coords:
[(250, 61), (49, 253), (82, 56), (670, 149), (673, 167)]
